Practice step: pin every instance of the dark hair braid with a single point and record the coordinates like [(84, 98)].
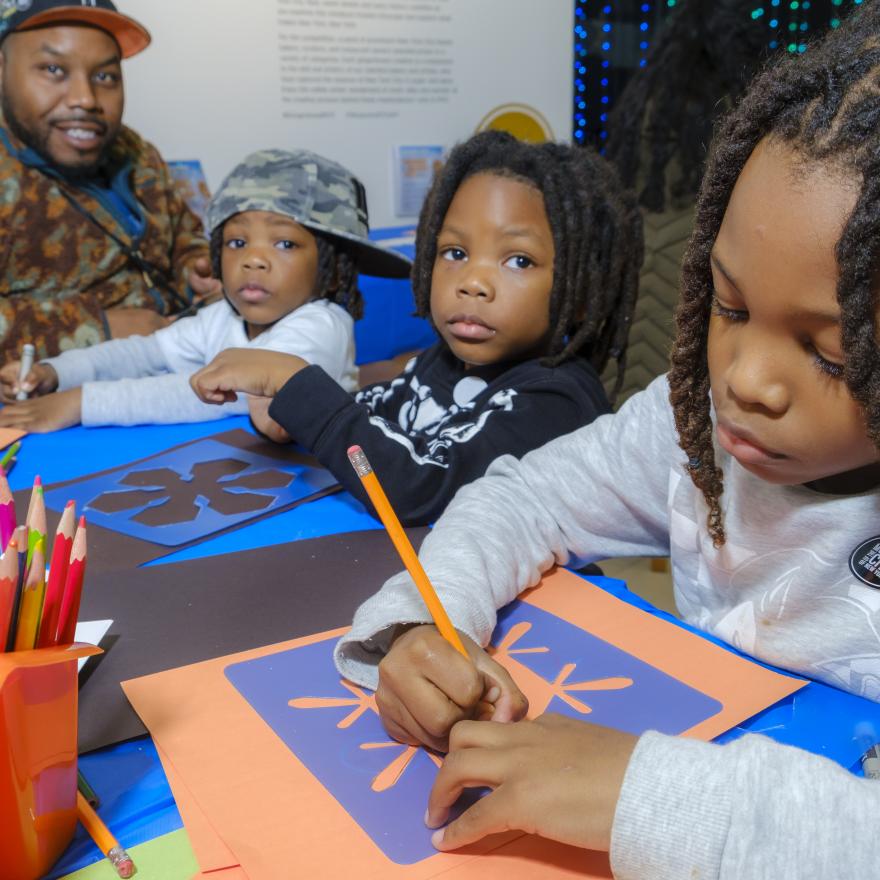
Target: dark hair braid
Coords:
[(701, 62), (597, 237), (336, 278), (825, 106)]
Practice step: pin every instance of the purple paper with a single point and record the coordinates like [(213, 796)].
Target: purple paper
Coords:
[(190, 492), (333, 728)]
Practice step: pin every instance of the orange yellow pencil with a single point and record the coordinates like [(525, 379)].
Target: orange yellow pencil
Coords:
[(105, 841), (406, 550), (32, 596)]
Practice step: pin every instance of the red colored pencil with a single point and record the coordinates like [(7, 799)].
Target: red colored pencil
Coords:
[(8, 588), (7, 511), (73, 587), (58, 567)]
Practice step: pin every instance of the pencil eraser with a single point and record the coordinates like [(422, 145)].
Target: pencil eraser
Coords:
[(353, 450)]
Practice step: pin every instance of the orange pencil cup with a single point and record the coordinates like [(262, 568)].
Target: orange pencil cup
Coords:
[(38, 703)]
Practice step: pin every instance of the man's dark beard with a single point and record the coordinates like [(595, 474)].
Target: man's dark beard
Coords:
[(39, 146)]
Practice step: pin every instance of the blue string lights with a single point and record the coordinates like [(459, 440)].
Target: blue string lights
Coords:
[(612, 39), (580, 73)]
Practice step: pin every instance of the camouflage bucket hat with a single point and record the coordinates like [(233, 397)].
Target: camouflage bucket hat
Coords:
[(316, 192)]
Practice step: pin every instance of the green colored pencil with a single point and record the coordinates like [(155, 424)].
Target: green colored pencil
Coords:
[(10, 454)]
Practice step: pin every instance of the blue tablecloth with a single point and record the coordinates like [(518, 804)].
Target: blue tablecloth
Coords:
[(136, 800)]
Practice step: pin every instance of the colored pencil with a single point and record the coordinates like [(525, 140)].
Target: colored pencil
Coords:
[(20, 538), (73, 583), (104, 840), (8, 588), (32, 599), (57, 576), (7, 511), (87, 791), (36, 519), (9, 455), (407, 553)]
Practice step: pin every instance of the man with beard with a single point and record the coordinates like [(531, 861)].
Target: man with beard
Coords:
[(95, 241)]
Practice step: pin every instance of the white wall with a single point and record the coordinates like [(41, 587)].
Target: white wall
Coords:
[(210, 86)]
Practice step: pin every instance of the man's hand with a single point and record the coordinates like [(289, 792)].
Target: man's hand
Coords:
[(258, 408), (204, 285), (252, 371), (553, 776), (426, 687), (42, 379), (40, 415), (133, 322)]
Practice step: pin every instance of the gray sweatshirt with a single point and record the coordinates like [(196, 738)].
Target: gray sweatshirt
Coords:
[(781, 589), (145, 379)]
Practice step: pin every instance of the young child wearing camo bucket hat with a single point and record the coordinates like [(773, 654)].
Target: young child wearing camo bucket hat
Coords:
[(288, 238), (527, 263)]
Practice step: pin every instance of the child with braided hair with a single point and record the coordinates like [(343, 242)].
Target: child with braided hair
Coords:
[(755, 465), (527, 260)]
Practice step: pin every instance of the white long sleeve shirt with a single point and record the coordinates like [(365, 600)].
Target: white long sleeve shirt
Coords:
[(781, 589), (145, 379)]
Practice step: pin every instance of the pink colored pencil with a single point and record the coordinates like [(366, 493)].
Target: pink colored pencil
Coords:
[(7, 511), (73, 587), (58, 567), (8, 589)]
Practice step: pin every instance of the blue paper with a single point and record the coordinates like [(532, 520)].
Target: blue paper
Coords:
[(334, 730), (139, 491)]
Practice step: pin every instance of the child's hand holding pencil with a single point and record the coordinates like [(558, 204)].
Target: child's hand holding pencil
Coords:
[(426, 687), (433, 676)]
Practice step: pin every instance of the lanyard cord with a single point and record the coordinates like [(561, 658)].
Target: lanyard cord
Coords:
[(153, 275)]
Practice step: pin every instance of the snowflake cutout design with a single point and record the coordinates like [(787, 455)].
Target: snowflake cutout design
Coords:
[(506, 651), (168, 498)]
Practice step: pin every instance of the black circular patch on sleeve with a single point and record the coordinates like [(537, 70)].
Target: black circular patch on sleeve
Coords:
[(865, 562)]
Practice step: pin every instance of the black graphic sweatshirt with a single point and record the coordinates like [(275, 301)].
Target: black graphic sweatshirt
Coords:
[(438, 425)]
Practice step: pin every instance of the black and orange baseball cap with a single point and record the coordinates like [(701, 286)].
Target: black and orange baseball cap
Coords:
[(22, 15)]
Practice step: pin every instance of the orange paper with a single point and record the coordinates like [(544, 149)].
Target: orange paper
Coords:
[(276, 818), (8, 436)]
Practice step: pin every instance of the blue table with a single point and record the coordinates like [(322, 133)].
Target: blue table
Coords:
[(136, 800)]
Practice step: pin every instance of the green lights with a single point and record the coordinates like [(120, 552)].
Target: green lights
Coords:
[(757, 13)]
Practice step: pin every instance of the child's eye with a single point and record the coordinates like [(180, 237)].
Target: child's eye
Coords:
[(828, 367), (453, 253), (285, 244), (725, 312), (234, 243), (520, 261)]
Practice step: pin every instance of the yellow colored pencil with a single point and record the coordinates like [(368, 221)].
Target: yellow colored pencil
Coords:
[(32, 599), (103, 837), (404, 547)]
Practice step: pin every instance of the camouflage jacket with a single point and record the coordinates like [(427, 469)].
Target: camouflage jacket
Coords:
[(59, 270)]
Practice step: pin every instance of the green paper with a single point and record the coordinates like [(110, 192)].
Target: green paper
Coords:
[(169, 857)]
